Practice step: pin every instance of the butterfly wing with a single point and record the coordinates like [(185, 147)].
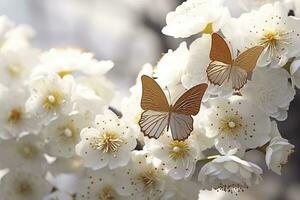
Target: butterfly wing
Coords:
[(218, 71), (155, 118), (189, 103), (181, 122), (243, 64), (181, 126), (153, 98), (248, 59), (153, 123), (238, 77), (220, 50)]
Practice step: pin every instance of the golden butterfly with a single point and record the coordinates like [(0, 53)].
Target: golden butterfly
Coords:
[(159, 114), (223, 68)]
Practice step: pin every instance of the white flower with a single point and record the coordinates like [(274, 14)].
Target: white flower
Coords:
[(14, 37), (65, 182), (236, 123), (178, 157), (131, 106), (271, 27), (148, 177), (17, 65), (21, 185), (5, 26), (14, 119), (26, 152), (254, 4), (278, 151), (195, 72), (69, 61), (229, 173), (104, 184), (199, 132), (295, 72), (108, 143), (131, 111), (195, 16), (18, 38), (271, 91), (171, 66), (100, 85), (87, 102), (63, 133), (58, 195), (50, 96), (198, 62)]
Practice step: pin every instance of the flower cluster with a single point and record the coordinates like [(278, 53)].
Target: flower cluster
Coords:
[(60, 137)]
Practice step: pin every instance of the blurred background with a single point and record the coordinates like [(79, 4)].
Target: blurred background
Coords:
[(129, 33)]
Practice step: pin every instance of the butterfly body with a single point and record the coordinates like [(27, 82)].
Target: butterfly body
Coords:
[(223, 68), (170, 115), (159, 114)]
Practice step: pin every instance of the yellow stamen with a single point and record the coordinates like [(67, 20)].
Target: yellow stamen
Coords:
[(108, 143), (178, 149), (27, 151), (148, 178), (14, 70), (270, 38), (24, 188), (231, 124), (53, 100), (208, 29), (107, 193), (15, 115), (63, 73)]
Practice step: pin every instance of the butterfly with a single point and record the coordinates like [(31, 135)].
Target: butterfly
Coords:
[(158, 114), (223, 68)]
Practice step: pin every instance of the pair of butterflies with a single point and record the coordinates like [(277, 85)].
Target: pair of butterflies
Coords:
[(159, 114)]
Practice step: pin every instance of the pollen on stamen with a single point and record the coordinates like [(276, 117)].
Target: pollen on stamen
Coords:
[(15, 115), (178, 149), (68, 132), (109, 142), (231, 124), (53, 100), (275, 42)]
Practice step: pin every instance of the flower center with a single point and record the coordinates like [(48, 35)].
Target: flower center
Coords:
[(14, 70), (63, 73), (275, 42), (231, 124), (270, 38), (178, 149), (68, 132), (28, 151), (24, 188), (15, 115), (108, 142), (208, 29), (53, 100), (107, 193), (148, 178)]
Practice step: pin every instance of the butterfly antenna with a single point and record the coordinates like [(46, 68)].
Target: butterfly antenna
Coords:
[(169, 94)]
